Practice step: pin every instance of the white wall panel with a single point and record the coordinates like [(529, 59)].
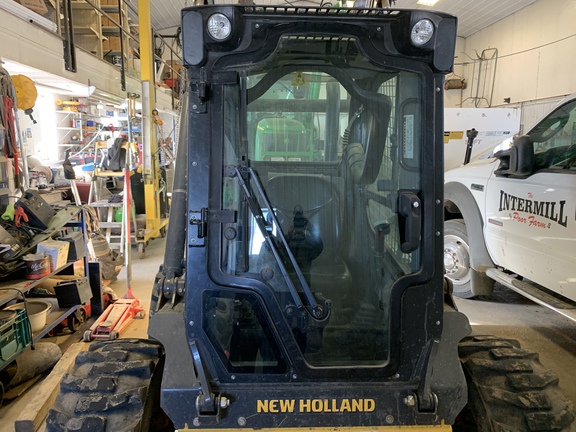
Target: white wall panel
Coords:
[(536, 46)]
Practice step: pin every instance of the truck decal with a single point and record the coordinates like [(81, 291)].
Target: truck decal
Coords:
[(551, 210), (314, 405)]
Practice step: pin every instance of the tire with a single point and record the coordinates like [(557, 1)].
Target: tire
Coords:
[(76, 320), (457, 262), (510, 390), (141, 250), (113, 387)]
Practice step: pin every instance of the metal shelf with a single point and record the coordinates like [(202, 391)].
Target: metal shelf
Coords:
[(64, 218)]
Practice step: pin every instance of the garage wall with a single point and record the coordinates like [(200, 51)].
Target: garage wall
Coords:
[(535, 57)]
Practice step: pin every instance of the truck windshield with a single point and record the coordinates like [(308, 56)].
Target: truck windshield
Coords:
[(319, 145)]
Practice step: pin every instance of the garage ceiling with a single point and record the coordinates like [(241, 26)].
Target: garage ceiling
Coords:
[(472, 15)]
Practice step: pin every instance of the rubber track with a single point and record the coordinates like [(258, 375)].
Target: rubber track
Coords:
[(106, 389), (510, 390)]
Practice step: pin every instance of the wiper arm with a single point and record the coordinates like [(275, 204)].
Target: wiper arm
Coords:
[(317, 311)]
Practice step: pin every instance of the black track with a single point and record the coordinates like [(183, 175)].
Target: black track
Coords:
[(113, 387), (510, 390)]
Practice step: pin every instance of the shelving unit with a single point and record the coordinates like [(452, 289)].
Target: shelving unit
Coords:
[(69, 217), (73, 125), (87, 26), (113, 35), (56, 315)]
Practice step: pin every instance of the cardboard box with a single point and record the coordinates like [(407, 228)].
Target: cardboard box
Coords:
[(114, 43), (108, 23), (56, 250), (37, 6)]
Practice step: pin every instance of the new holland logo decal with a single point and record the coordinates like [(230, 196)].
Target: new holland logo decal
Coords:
[(315, 405)]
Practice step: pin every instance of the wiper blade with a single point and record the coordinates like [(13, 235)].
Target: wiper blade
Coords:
[(317, 311)]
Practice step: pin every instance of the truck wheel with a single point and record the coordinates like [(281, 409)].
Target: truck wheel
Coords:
[(466, 281), (113, 387), (509, 389)]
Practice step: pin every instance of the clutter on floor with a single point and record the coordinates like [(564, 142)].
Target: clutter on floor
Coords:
[(48, 285)]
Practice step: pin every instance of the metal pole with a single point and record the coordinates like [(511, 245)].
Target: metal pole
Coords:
[(149, 143)]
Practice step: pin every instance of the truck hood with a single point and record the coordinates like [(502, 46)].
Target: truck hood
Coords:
[(479, 171)]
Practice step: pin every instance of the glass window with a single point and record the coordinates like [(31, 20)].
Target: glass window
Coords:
[(555, 139), (316, 157), (240, 334)]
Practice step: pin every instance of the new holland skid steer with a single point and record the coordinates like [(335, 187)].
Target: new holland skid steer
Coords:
[(302, 286)]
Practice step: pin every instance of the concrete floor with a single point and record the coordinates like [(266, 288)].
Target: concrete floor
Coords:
[(504, 314)]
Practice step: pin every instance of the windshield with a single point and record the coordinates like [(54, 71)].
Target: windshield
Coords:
[(554, 140), (317, 157)]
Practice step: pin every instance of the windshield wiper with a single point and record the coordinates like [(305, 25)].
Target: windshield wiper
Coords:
[(317, 312)]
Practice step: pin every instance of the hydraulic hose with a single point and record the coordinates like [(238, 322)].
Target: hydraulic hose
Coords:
[(174, 254)]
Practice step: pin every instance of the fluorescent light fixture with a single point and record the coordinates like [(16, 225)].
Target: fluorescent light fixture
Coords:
[(427, 2), (49, 81), (27, 15)]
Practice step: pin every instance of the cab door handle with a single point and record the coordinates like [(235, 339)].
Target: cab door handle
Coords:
[(410, 220)]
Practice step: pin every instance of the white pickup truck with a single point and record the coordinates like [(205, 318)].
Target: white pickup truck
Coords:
[(511, 218)]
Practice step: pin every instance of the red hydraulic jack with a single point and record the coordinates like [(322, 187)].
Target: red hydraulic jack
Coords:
[(122, 312)]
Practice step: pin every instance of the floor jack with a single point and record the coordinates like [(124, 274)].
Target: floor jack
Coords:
[(120, 314)]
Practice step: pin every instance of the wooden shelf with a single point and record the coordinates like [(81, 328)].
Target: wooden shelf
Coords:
[(81, 5), (111, 31), (86, 30)]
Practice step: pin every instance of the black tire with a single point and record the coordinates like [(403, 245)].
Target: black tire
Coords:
[(510, 390), (457, 260), (113, 387), (76, 320)]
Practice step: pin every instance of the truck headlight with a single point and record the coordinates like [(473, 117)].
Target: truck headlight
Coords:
[(422, 32), (219, 26)]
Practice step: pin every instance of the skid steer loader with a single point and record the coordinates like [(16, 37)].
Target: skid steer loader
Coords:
[(302, 285)]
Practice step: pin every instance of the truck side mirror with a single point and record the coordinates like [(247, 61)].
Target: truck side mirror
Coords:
[(518, 160)]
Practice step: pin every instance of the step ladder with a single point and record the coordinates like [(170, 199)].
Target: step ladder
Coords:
[(107, 210), (110, 227)]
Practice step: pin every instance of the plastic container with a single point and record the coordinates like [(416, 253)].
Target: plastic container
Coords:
[(14, 334), (38, 311)]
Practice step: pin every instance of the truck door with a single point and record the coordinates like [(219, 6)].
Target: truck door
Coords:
[(530, 225)]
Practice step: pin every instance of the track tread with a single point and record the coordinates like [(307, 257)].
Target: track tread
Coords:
[(61, 422), (532, 381), (506, 365), (87, 357), (510, 390), (105, 403), (108, 388), (139, 368), (104, 384)]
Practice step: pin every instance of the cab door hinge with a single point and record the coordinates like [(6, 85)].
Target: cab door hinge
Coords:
[(199, 94), (201, 218)]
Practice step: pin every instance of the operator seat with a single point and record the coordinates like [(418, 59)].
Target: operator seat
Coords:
[(308, 210)]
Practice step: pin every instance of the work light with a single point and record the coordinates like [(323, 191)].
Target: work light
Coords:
[(422, 32), (219, 26)]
